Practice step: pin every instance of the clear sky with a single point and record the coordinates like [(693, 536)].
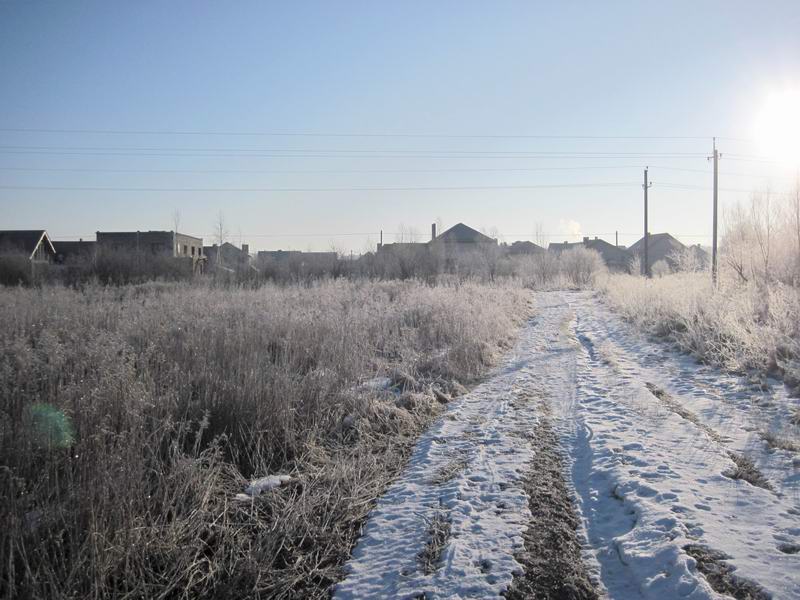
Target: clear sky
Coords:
[(391, 92)]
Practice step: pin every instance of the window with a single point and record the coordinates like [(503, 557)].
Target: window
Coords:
[(185, 249), (192, 250)]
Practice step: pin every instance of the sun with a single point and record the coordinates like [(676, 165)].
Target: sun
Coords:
[(778, 127)]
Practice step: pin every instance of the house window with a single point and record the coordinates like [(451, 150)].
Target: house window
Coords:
[(192, 250), (185, 249)]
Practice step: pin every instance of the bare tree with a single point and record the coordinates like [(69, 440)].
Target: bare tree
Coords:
[(406, 235), (220, 229), (176, 220), (539, 237), (736, 242), (763, 223)]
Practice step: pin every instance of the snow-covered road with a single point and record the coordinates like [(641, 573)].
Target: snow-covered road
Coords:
[(647, 437)]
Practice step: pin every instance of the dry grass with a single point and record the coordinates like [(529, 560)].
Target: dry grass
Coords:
[(739, 327), (673, 405), (439, 529), (746, 470), (722, 577), (775, 441), (162, 400), (552, 563)]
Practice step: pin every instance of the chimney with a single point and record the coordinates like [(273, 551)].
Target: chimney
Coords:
[(433, 231), (585, 239), (246, 249)]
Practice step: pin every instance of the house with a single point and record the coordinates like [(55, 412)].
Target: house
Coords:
[(616, 258), (228, 256), (522, 248), (33, 244), (461, 237), (170, 244), (75, 251), (664, 247)]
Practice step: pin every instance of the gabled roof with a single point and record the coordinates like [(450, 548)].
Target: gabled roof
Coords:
[(659, 240), (462, 234), (25, 240), (525, 247)]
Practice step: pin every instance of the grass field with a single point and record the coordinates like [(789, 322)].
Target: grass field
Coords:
[(131, 417)]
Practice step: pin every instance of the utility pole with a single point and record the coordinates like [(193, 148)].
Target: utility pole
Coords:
[(715, 158), (646, 263), (616, 239)]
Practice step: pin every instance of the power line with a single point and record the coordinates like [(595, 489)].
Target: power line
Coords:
[(710, 172), (681, 186), (543, 155), (320, 153), (368, 233), (348, 134), (344, 189), (318, 171), (326, 150)]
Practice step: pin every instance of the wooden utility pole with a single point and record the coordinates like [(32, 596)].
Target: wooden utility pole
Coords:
[(716, 199), (646, 265), (715, 157)]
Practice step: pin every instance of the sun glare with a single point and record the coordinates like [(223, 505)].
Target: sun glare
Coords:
[(778, 127)]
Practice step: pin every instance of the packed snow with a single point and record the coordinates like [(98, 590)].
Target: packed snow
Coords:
[(647, 471)]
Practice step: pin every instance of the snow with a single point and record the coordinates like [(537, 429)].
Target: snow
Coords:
[(666, 469), (257, 486), (647, 481)]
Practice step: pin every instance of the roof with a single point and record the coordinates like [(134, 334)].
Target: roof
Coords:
[(25, 240), (657, 239), (525, 247), (661, 246), (462, 234), (74, 247), (559, 247)]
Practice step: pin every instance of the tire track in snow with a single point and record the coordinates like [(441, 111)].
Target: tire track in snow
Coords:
[(485, 502), (667, 470), (647, 482)]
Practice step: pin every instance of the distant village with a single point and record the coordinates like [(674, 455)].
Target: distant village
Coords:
[(457, 248)]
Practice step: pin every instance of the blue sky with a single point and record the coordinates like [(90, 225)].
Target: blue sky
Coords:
[(694, 69)]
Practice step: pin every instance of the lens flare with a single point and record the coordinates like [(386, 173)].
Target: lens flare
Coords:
[(778, 127)]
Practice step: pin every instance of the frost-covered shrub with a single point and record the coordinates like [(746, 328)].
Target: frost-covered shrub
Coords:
[(739, 327), (582, 266)]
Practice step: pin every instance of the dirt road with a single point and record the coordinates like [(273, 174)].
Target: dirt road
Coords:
[(684, 481)]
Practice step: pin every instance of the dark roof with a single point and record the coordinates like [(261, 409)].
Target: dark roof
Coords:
[(462, 234), (656, 239), (525, 247), (24, 240), (68, 248), (612, 255), (559, 247), (661, 246)]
